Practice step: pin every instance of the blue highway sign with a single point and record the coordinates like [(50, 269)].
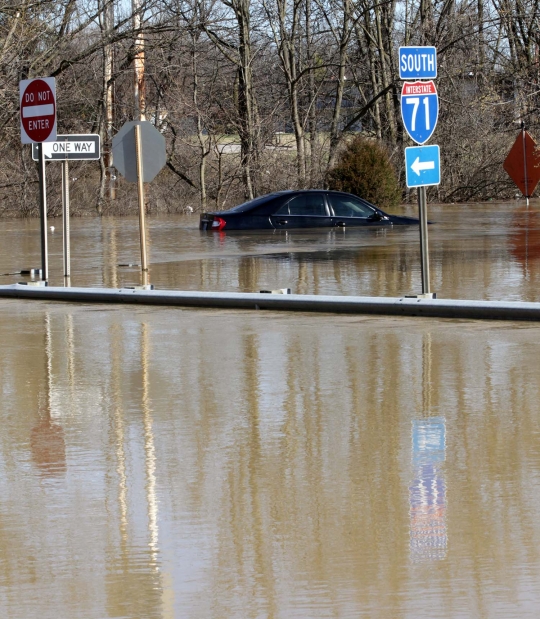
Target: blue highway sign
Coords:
[(419, 109), (422, 166), (417, 63)]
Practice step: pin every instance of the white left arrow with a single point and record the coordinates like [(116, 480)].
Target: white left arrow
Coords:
[(47, 149), (419, 166)]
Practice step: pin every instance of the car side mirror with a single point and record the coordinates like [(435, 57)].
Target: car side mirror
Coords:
[(375, 216)]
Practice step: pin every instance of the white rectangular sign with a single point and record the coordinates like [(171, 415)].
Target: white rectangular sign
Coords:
[(417, 63), (70, 147)]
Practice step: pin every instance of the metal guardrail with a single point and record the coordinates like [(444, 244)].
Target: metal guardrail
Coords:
[(390, 306)]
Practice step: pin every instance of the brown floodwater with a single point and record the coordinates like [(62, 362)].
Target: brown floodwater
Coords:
[(190, 463)]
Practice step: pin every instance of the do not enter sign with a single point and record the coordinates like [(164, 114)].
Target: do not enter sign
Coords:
[(38, 110)]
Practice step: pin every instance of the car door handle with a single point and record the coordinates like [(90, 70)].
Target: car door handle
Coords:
[(282, 222), (341, 224)]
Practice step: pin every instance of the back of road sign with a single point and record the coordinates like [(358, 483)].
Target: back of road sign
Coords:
[(154, 155), (523, 164), (422, 166), (417, 63)]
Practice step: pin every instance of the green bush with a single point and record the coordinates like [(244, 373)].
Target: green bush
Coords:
[(364, 169)]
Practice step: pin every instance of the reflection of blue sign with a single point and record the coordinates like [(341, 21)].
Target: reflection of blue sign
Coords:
[(422, 166), (417, 63), (419, 109), (429, 439), (428, 532), (427, 492)]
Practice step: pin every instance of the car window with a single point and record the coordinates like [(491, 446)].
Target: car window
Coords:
[(311, 204), (347, 206), (246, 206)]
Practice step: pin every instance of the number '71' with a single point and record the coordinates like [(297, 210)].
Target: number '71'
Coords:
[(416, 102)]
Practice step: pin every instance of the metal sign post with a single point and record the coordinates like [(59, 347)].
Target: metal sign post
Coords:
[(525, 162), (140, 193), (43, 215), (65, 219), (424, 246)]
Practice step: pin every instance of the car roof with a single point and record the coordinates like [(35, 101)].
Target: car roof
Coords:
[(258, 201), (261, 200)]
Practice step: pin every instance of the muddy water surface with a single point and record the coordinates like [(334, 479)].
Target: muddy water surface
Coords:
[(160, 462), (477, 251)]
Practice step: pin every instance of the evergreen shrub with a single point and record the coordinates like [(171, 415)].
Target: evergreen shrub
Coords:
[(364, 169)]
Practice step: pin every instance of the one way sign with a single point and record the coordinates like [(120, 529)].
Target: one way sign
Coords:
[(70, 147)]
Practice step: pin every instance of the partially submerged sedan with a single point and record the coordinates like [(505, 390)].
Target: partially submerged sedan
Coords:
[(313, 208)]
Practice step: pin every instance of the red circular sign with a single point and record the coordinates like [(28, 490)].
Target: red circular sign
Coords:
[(38, 110)]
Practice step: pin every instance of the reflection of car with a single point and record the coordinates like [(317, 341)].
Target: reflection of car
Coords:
[(311, 208)]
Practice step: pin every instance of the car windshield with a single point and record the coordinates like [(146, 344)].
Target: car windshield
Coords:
[(246, 206)]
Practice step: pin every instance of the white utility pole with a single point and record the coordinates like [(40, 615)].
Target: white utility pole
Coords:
[(139, 89), (108, 22)]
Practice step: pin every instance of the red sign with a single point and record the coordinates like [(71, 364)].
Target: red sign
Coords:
[(523, 164), (418, 88), (38, 110)]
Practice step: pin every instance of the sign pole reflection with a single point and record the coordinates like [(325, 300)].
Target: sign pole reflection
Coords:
[(47, 437), (150, 451)]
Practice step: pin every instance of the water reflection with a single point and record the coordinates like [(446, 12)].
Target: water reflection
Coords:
[(427, 493), (525, 237), (149, 450), (47, 437), (48, 445), (200, 463), (134, 582)]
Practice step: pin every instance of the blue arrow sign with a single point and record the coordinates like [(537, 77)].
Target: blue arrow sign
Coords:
[(419, 109), (422, 166), (418, 63), (429, 440)]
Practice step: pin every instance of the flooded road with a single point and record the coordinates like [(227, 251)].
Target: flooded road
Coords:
[(489, 251), (159, 462)]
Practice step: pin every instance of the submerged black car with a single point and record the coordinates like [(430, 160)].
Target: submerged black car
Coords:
[(313, 208)]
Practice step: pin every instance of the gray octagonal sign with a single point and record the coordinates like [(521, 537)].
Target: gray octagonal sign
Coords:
[(154, 155)]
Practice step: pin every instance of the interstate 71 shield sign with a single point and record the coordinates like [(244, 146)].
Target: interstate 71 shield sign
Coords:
[(419, 109)]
